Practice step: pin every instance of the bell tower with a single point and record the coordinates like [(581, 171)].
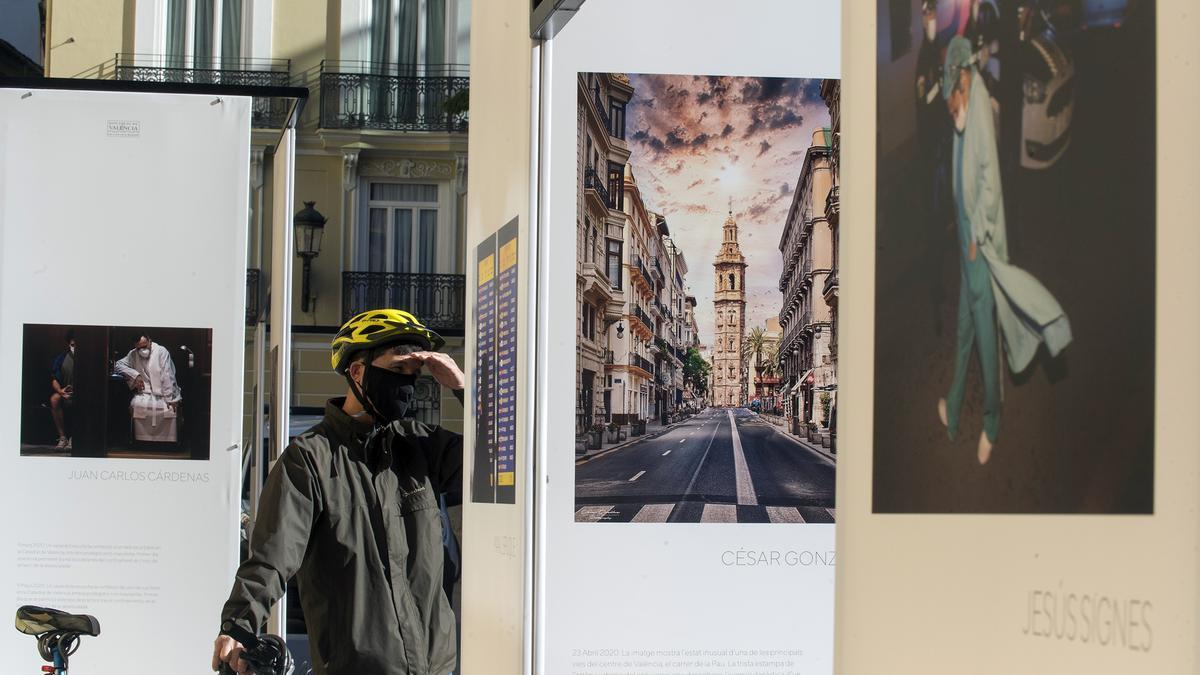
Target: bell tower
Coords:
[(729, 303)]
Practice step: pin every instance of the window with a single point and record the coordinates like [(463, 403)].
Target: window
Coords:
[(402, 229), (616, 115), (616, 185), (205, 34), (614, 263), (732, 283), (407, 36), (589, 321)]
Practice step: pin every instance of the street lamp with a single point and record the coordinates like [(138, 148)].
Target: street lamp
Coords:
[(309, 225)]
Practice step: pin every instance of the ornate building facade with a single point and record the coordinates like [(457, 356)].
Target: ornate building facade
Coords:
[(809, 379), (729, 303)]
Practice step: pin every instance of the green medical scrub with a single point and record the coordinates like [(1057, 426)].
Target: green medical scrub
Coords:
[(976, 322)]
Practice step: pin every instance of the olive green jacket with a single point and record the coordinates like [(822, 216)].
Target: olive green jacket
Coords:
[(353, 513)]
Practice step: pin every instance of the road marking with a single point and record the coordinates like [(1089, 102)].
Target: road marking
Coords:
[(784, 514), (745, 486), (666, 453), (591, 514), (637, 476), (654, 513), (719, 513), (692, 483)]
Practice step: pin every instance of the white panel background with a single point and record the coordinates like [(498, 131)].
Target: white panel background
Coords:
[(630, 586), (147, 231)]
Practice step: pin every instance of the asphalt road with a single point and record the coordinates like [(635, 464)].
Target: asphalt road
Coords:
[(723, 465)]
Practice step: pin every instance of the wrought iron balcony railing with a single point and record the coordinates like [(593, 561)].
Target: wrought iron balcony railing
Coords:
[(266, 113), (832, 203), (438, 299), (641, 362), (367, 95), (601, 111), (643, 317), (594, 181), (641, 265), (831, 283)]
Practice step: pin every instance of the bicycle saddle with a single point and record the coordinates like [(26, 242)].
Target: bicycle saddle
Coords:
[(37, 620)]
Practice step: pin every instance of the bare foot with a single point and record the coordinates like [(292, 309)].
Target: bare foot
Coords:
[(985, 448), (942, 413)]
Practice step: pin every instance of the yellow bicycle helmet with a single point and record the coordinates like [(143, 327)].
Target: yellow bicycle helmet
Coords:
[(377, 328)]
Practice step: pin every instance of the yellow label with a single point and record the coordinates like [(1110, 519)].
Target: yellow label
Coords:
[(487, 269), (508, 255), (507, 478)]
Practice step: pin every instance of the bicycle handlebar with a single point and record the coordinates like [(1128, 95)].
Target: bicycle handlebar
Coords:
[(267, 655)]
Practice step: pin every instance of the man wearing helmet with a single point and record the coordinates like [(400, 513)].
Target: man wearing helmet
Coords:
[(351, 509)]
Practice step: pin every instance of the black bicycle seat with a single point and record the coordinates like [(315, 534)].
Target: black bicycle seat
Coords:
[(37, 620)]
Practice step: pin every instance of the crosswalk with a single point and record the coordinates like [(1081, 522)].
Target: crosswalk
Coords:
[(698, 512)]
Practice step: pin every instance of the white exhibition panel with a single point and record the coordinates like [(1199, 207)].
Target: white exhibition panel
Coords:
[(614, 595), (126, 210)]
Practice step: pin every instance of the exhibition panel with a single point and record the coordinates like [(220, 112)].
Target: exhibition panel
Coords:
[(1018, 212), (687, 379), (123, 223)]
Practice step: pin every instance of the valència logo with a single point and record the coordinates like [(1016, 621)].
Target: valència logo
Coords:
[(124, 128)]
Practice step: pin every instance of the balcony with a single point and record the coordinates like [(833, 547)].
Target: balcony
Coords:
[(831, 285), (601, 111), (806, 320), (391, 97), (638, 361), (594, 181), (658, 268), (253, 296), (641, 265), (265, 113), (644, 318), (833, 205), (596, 285), (438, 300)]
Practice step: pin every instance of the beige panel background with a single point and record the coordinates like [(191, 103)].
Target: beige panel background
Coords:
[(948, 593), (494, 542)]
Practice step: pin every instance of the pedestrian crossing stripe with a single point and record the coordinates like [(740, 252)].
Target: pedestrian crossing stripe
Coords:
[(696, 512)]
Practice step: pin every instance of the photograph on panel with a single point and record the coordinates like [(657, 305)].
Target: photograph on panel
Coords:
[(115, 392), (1015, 257), (706, 299)]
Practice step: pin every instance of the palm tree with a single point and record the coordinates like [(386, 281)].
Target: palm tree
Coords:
[(754, 346), (770, 359)]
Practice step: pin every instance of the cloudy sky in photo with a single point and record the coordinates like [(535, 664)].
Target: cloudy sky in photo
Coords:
[(697, 142)]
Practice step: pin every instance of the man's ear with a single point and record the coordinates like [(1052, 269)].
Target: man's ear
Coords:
[(356, 371)]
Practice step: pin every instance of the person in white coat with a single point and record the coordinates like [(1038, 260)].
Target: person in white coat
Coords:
[(991, 289), (150, 373)]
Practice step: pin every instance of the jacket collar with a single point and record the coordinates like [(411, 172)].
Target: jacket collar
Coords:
[(357, 431)]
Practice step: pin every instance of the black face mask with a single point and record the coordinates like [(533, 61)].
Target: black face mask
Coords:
[(386, 394)]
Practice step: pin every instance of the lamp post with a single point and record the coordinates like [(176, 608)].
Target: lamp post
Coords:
[(309, 226)]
